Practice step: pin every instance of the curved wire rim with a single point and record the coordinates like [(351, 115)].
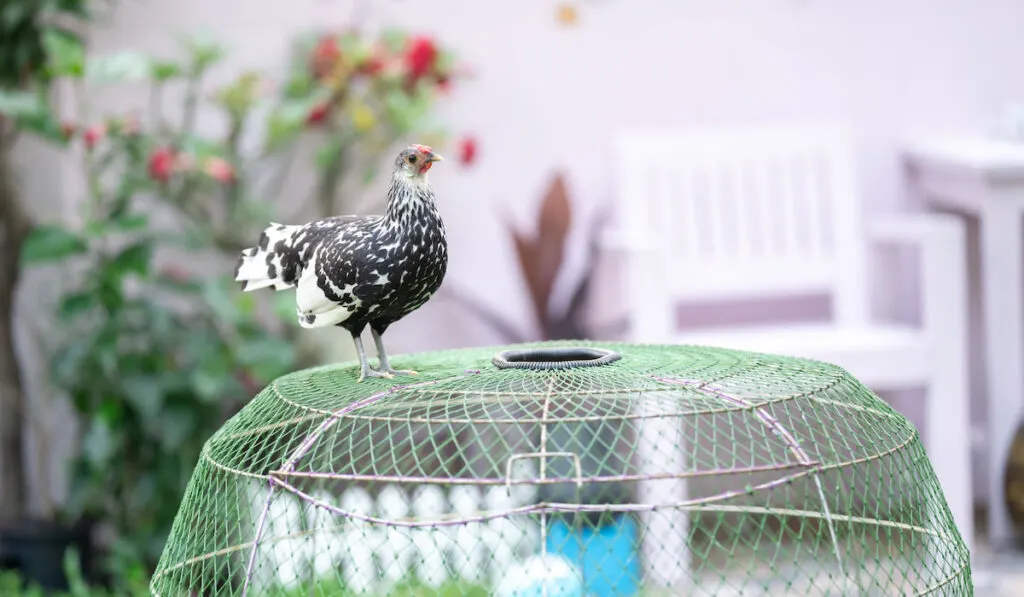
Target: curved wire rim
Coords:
[(569, 357)]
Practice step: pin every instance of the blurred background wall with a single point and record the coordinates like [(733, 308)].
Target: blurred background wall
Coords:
[(548, 98)]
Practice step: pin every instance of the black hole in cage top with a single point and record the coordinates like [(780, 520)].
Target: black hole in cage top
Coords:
[(568, 357)]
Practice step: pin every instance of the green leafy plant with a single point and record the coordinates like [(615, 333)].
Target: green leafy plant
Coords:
[(411, 587), (355, 98), (155, 352), (31, 41), (154, 355), (13, 585)]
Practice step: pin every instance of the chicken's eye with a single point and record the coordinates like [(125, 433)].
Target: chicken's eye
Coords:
[(412, 159)]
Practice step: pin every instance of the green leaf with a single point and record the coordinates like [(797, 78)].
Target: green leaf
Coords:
[(75, 304), (70, 361), (287, 121), (65, 52), (393, 39), (127, 222), (107, 355), (266, 357), (45, 126), (284, 307), (161, 323), (76, 8), (349, 43), (49, 242), (245, 303), (216, 295), (176, 285), (144, 394), (111, 410), (203, 53), (15, 13), (200, 147), (133, 259), (98, 442), (31, 112), (122, 66), (17, 104), (73, 573), (112, 299), (209, 383), (240, 95), (178, 426), (445, 61), (400, 110), (163, 70), (327, 155), (299, 85)]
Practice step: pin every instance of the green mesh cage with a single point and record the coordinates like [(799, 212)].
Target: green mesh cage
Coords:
[(592, 470)]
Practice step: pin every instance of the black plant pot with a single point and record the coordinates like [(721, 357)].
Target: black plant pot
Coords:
[(1013, 485), (37, 548)]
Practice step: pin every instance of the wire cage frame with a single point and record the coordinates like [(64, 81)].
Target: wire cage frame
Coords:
[(566, 470)]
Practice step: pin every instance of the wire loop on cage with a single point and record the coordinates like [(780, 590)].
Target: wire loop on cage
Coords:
[(571, 455), (569, 357)]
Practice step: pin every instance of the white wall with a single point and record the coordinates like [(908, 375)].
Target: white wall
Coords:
[(548, 97)]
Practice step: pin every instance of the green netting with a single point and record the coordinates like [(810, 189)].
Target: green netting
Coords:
[(672, 471)]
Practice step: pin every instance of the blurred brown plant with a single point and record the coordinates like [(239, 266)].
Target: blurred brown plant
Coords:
[(541, 259)]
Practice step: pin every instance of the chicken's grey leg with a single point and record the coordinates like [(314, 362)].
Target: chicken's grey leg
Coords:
[(382, 355), (364, 365)]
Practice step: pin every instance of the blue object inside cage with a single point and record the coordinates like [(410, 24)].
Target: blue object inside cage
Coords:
[(607, 555)]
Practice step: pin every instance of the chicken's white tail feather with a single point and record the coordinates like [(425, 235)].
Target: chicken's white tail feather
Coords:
[(255, 270)]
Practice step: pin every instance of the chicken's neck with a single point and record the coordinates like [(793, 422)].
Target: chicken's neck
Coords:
[(409, 201)]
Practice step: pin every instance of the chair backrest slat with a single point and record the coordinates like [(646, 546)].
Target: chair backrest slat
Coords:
[(746, 212)]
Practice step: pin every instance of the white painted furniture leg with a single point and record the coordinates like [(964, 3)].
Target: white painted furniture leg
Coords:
[(660, 449), (943, 273), (948, 419)]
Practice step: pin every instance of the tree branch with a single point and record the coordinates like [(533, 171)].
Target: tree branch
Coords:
[(15, 226)]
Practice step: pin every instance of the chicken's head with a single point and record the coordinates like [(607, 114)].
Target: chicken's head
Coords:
[(415, 160)]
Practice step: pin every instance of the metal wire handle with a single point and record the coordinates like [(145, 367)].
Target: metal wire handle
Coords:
[(544, 455), (568, 357)]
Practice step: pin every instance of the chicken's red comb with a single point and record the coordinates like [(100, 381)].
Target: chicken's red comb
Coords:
[(422, 148)]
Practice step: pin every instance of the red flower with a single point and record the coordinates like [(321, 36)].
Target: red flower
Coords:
[(219, 169), (467, 150), (420, 56), (93, 135), (318, 114), (325, 54), (161, 164)]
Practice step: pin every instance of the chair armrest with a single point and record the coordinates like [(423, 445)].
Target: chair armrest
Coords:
[(920, 229), (941, 242)]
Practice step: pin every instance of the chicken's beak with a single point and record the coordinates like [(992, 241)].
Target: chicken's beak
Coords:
[(435, 157)]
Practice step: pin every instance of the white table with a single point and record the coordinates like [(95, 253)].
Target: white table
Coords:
[(986, 178)]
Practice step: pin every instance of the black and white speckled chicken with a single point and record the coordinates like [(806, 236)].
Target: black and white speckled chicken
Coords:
[(359, 271)]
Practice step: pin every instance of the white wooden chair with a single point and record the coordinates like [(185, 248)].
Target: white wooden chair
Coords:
[(771, 212)]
